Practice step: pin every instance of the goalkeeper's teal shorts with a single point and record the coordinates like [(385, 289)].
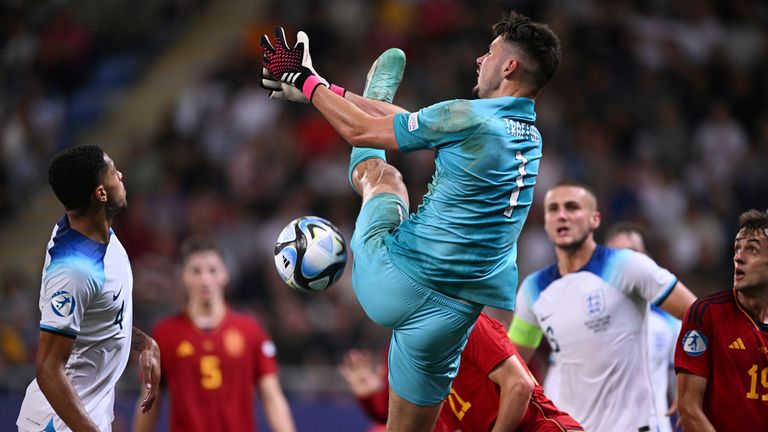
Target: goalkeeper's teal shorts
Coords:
[(430, 329)]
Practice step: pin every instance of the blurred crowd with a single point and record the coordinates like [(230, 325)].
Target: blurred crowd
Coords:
[(62, 63), (658, 104)]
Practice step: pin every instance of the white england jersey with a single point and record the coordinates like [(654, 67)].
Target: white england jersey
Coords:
[(86, 295), (595, 322), (663, 329)]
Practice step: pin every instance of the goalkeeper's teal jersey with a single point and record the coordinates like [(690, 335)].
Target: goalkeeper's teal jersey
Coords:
[(462, 240)]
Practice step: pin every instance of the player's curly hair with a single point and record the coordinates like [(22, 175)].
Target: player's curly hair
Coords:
[(754, 222), (537, 40), (75, 173)]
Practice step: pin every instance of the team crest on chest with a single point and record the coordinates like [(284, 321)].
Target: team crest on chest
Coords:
[(234, 343), (185, 349), (594, 304)]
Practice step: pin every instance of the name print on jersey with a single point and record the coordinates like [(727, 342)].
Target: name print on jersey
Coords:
[(522, 130)]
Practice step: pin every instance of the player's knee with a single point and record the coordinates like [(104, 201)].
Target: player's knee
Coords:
[(387, 174), (380, 177)]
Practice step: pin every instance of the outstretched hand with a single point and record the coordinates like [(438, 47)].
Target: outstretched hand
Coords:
[(149, 373), (285, 63), (279, 90), (358, 370), (292, 66)]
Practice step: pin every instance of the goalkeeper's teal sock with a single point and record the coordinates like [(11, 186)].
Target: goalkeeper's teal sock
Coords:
[(380, 84)]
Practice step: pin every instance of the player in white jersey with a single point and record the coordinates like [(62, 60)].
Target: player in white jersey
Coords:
[(663, 330), (592, 306), (86, 332)]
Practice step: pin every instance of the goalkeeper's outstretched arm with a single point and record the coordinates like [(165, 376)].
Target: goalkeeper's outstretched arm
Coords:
[(353, 123), (373, 107), (356, 125)]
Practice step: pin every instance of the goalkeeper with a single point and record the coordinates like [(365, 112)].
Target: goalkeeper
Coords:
[(428, 275)]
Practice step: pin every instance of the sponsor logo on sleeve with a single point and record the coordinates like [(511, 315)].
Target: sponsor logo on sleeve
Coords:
[(694, 343), (413, 122), (62, 303)]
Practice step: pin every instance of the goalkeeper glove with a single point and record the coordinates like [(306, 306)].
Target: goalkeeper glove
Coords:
[(292, 68), (279, 90)]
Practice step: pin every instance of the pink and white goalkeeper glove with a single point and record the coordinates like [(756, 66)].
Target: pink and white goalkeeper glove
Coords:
[(288, 72)]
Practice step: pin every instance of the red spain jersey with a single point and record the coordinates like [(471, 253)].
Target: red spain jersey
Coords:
[(211, 375), (721, 343), (473, 403)]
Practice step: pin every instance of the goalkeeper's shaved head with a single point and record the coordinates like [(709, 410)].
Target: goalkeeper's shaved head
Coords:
[(536, 41)]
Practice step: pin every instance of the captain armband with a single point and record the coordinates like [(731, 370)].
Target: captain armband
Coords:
[(525, 334)]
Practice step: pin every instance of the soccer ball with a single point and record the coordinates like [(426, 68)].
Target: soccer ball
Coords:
[(310, 254)]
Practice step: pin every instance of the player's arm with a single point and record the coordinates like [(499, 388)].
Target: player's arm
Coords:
[(373, 107), (52, 355), (293, 66), (147, 421), (678, 300), (690, 390), (148, 353), (525, 336), (515, 389), (358, 370), (353, 124), (275, 405)]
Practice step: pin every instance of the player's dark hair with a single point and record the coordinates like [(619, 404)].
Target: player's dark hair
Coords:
[(75, 173), (754, 222), (537, 41), (198, 244)]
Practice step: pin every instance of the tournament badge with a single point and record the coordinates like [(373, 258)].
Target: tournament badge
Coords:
[(694, 343), (62, 303)]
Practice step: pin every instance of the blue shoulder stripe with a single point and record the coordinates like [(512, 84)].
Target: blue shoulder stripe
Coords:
[(535, 284), (60, 332), (667, 292), (73, 248), (598, 263)]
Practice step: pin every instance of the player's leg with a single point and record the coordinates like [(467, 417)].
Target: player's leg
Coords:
[(405, 416), (369, 172), (385, 204), (430, 329), (424, 358), (375, 176)]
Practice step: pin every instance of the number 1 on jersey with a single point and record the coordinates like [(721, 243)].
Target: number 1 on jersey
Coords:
[(518, 184), (753, 378)]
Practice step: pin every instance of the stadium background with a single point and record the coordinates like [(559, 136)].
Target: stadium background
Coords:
[(659, 104)]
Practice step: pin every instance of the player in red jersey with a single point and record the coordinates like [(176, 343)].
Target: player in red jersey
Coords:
[(721, 358), (215, 357), (493, 389)]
